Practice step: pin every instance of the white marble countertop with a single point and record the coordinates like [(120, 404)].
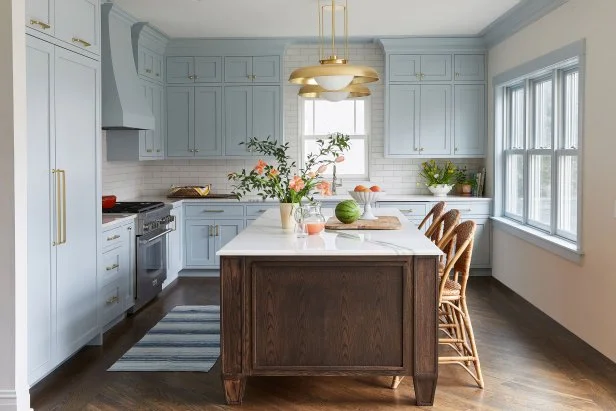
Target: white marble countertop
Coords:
[(113, 220), (265, 237)]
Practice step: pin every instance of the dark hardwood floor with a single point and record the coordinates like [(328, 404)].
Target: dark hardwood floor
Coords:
[(529, 363)]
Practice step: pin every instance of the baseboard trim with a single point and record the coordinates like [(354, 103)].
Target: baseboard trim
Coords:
[(199, 273)]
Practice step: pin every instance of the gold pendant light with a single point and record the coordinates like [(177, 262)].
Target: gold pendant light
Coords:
[(349, 92), (333, 73)]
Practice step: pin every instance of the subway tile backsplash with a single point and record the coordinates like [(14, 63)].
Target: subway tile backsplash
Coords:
[(396, 176)]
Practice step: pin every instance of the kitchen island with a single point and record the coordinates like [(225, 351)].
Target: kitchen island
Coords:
[(349, 302)]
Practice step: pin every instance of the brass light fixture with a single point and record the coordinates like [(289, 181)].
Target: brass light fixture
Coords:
[(349, 92), (334, 74)]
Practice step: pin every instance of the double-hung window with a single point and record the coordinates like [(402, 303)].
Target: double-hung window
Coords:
[(322, 117), (538, 157)]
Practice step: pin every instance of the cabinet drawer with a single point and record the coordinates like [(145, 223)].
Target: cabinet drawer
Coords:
[(414, 211), (470, 208), (214, 211), (257, 210), (111, 302), (115, 264), (115, 237)]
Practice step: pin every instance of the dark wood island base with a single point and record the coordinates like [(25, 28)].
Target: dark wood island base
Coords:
[(329, 316)]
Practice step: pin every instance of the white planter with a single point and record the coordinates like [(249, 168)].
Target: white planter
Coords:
[(440, 190)]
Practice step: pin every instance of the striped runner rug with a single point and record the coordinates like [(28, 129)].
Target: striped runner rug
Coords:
[(186, 339)]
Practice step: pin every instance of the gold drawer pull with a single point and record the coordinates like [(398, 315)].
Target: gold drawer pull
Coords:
[(407, 211), (113, 267), (262, 211), (42, 24), (148, 70), (112, 300), (115, 237), (81, 41), (465, 210)]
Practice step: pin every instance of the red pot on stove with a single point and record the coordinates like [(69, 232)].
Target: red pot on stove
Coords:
[(109, 201)]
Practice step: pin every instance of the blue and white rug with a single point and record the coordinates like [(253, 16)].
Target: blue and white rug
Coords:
[(187, 339)]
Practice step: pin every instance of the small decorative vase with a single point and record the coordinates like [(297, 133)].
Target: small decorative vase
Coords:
[(440, 190), (466, 190), (286, 215)]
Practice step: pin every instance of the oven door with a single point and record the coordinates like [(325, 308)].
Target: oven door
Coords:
[(151, 265)]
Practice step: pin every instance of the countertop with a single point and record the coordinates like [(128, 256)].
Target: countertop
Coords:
[(113, 220), (265, 237)]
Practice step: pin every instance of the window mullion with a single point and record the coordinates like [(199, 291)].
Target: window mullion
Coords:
[(556, 130), (528, 95)]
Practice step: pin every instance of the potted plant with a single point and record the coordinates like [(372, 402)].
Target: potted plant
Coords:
[(439, 179), (465, 182), (282, 180)]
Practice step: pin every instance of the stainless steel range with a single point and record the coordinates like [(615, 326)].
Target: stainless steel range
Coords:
[(152, 227)]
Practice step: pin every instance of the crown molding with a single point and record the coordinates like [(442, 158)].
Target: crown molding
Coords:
[(520, 16)]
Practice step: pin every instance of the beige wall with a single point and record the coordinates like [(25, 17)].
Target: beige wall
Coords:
[(13, 292), (580, 297)]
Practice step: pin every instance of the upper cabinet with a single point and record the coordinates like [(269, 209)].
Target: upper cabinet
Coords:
[(186, 70), (258, 69), (72, 22), (435, 95)]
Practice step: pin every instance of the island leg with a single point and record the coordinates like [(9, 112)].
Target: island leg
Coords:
[(234, 390), (425, 302)]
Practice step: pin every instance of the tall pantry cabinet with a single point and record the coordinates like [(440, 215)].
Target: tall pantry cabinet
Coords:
[(63, 95)]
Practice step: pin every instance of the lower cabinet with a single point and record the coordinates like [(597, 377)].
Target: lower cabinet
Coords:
[(204, 237), (175, 247)]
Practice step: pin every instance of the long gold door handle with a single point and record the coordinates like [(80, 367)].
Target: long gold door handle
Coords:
[(58, 238), (62, 177), (81, 41), (39, 23)]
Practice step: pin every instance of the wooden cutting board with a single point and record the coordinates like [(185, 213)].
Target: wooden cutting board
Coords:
[(383, 223)]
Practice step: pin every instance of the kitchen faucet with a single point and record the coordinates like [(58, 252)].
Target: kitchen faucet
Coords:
[(336, 182)]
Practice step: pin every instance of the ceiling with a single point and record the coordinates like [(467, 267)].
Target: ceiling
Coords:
[(298, 18)]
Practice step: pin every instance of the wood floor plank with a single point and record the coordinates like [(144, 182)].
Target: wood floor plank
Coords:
[(529, 362)]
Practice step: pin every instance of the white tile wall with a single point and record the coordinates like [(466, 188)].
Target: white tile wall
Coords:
[(397, 176), (123, 179)]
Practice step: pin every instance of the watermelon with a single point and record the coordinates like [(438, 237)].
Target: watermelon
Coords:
[(348, 211)]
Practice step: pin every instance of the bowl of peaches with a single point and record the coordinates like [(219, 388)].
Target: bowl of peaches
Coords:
[(366, 196)]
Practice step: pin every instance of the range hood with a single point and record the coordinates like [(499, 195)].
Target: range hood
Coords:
[(124, 105)]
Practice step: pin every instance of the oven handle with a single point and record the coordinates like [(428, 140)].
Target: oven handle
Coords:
[(149, 240)]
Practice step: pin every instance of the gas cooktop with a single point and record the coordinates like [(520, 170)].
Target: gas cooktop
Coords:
[(133, 207)]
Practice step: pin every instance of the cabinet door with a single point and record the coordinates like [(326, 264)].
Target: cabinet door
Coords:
[(436, 67), (200, 243), (129, 244), (266, 69), (238, 119), (469, 119), (180, 121), (266, 112), (77, 128), (403, 120), (404, 67), (180, 70), (77, 23), (225, 231), (148, 63), (174, 248), (158, 109), (435, 120), (146, 137), (238, 69), (469, 67), (482, 243), (40, 15), (208, 70), (41, 185), (208, 121), (158, 67)]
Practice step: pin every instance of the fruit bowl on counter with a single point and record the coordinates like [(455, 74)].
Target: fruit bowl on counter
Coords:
[(367, 196)]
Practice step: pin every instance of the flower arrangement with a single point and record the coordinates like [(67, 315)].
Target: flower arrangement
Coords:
[(282, 180), (437, 175)]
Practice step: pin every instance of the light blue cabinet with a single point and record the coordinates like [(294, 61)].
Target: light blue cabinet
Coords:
[(63, 136), (403, 120), (469, 119), (151, 144), (175, 247), (205, 237), (150, 64), (435, 120), (411, 68), (225, 231), (78, 23), (250, 111), (469, 67), (208, 122), (180, 121), (187, 70), (40, 16), (246, 69)]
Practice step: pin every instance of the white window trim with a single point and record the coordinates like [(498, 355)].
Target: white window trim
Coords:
[(367, 129), (553, 243)]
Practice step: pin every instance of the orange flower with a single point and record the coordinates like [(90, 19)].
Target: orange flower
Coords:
[(339, 159), (297, 184), (260, 166), (324, 188), (273, 173), (322, 169), (311, 175)]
